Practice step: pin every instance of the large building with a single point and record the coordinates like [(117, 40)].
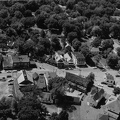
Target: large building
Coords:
[(78, 82), (21, 61), (79, 59), (96, 96)]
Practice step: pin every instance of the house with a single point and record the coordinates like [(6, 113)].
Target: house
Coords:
[(96, 95), (46, 98), (95, 51), (7, 62), (24, 78), (69, 60), (59, 59), (102, 117), (16, 90), (113, 108), (78, 82), (109, 79), (21, 61), (40, 80), (78, 59)]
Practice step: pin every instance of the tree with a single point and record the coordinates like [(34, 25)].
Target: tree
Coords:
[(57, 9), (116, 90), (115, 30), (71, 36), (30, 108), (76, 44), (108, 43), (5, 108), (70, 4), (40, 21), (32, 5), (28, 13), (55, 43), (96, 42), (112, 60), (17, 7), (57, 88), (63, 115), (84, 49), (118, 51), (54, 116), (18, 14), (42, 34), (4, 13), (96, 31), (105, 30), (28, 22)]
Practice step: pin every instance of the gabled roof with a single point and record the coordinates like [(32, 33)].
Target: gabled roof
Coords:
[(77, 79), (99, 94), (35, 76), (103, 117), (24, 78), (78, 55)]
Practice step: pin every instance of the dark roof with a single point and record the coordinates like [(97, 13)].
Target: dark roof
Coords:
[(7, 61), (103, 117), (21, 58), (77, 79), (78, 55), (98, 94), (35, 76)]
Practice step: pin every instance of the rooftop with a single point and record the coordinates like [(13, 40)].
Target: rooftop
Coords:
[(7, 61), (21, 58), (77, 79), (78, 55)]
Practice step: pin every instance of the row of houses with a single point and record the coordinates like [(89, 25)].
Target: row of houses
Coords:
[(70, 59), (16, 62)]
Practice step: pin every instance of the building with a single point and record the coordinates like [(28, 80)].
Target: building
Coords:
[(21, 61), (79, 83), (24, 78), (109, 79), (41, 79), (59, 59), (95, 51), (69, 60), (7, 62), (102, 117), (78, 59), (113, 107), (96, 95), (46, 98)]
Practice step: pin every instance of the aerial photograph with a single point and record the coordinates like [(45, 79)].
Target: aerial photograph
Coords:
[(59, 59)]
